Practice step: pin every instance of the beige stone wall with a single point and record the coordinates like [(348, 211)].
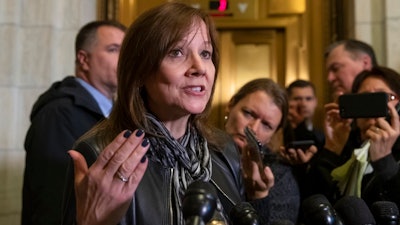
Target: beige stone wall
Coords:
[(392, 27), (37, 48), (377, 22)]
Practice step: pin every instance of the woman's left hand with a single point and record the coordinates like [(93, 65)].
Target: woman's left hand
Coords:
[(383, 135), (258, 179)]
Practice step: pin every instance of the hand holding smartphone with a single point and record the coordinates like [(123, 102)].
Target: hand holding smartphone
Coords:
[(388, 117), (255, 150), (303, 145)]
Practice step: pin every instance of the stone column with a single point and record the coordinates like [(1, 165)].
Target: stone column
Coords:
[(37, 47)]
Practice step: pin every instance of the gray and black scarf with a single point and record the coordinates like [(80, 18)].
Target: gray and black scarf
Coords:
[(189, 156)]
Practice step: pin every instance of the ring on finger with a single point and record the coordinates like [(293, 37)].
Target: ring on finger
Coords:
[(376, 129), (122, 177)]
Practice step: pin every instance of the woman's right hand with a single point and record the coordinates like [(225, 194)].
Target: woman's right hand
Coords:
[(383, 135), (336, 129), (258, 179), (105, 190)]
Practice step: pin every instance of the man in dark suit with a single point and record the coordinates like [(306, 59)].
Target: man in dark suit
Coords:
[(302, 104), (63, 113), (344, 60)]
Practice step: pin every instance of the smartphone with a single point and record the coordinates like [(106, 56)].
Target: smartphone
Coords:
[(363, 105), (252, 139), (255, 148), (303, 145)]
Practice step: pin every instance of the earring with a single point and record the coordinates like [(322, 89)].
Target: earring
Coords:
[(226, 117)]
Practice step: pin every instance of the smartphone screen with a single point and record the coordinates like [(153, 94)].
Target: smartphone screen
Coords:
[(255, 150), (363, 105)]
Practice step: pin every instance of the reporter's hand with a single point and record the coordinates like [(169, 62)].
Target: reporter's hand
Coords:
[(336, 129), (258, 179), (297, 156), (383, 135), (102, 195)]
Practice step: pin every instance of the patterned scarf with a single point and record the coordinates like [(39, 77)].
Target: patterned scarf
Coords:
[(189, 157)]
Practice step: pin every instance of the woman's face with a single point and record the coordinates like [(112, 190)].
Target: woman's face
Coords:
[(372, 84), (184, 81), (257, 111)]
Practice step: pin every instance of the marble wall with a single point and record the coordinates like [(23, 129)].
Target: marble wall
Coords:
[(37, 47), (377, 22)]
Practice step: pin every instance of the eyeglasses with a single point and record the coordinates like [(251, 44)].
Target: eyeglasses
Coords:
[(392, 97)]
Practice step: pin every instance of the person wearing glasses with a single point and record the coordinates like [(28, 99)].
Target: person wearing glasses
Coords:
[(344, 60), (362, 161)]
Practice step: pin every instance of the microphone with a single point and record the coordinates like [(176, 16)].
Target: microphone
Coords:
[(199, 203), (354, 211), (282, 222), (243, 213), (385, 213), (318, 210)]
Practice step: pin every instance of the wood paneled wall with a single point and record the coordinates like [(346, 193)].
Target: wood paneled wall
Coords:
[(295, 32)]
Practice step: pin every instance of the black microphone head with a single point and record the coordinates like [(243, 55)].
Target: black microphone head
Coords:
[(354, 211), (243, 213), (200, 200), (282, 222), (318, 210), (385, 212)]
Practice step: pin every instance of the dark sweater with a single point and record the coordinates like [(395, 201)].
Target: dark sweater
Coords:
[(284, 196)]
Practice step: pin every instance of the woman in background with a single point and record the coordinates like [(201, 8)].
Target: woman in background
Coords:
[(262, 106), (379, 137)]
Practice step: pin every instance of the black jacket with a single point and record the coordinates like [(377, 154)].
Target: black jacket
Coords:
[(58, 118), (383, 184), (150, 204)]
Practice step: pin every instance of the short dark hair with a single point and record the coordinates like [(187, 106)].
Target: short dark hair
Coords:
[(87, 34), (355, 47), (389, 76), (299, 84)]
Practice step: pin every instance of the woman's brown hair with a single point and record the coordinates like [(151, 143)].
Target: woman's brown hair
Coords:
[(147, 41), (268, 86)]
